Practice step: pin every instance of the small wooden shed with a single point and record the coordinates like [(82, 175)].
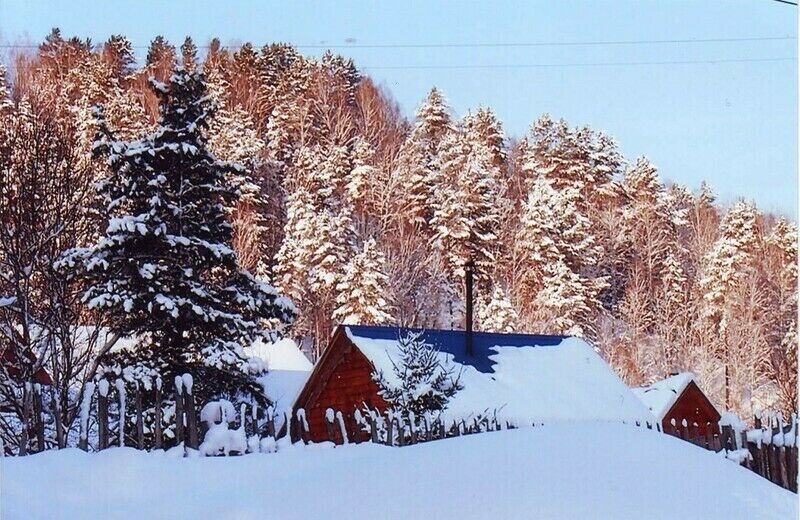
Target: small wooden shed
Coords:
[(522, 378), (677, 398)]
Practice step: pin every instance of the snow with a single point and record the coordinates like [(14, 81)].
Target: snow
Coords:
[(563, 381), (287, 372), (281, 355), (610, 471), (661, 396)]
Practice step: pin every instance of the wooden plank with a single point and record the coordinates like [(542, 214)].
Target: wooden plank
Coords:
[(139, 418), (27, 410), (159, 434), (179, 436), (191, 419), (55, 409), (38, 421), (102, 415)]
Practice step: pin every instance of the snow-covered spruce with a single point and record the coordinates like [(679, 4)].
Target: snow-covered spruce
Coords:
[(420, 383), (164, 270)]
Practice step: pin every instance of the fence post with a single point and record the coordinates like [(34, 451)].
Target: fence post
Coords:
[(139, 418), (271, 422), (159, 439), (342, 427), (401, 431), (27, 388), (55, 409), (302, 424), (38, 421), (120, 384), (86, 405), (179, 437), (709, 436), (102, 414), (329, 417), (191, 413), (412, 418), (373, 426), (389, 428)]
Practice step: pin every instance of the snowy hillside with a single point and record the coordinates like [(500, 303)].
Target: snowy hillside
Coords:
[(599, 471)]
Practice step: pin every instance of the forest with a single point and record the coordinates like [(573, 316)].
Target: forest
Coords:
[(360, 214)]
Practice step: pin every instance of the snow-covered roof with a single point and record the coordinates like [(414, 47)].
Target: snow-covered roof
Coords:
[(525, 378), (661, 396), (287, 372)]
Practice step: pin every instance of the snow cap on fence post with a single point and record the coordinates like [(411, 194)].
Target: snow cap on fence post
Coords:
[(179, 384), (187, 382), (120, 384)]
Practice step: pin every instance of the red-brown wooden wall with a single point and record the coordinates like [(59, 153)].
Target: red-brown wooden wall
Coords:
[(341, 380), (694, 406)]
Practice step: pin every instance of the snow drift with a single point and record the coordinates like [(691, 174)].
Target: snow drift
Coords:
[(563, 471)]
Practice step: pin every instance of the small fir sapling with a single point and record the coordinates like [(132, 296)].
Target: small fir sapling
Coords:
[(421, 384)]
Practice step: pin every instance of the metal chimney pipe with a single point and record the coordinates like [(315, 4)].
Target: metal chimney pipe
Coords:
[(468, 271)]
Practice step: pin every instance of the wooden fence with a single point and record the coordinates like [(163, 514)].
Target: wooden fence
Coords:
[(770, 450)]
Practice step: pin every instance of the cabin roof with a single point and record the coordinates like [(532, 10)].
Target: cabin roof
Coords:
[(523, 378), (452, 342), (661, 396)]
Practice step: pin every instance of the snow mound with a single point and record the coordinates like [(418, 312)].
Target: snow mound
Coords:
[(287, 372), (281, 355), (606, 471)]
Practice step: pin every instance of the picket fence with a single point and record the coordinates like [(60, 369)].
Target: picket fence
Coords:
[(770, 450)]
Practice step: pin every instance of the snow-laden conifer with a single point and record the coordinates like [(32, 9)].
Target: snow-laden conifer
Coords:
[(164, 271), (421, 382), (497, 314), (363, 289)]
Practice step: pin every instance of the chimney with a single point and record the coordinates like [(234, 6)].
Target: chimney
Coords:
[(468, 272)]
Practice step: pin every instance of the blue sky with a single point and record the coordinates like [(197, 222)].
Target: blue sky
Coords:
[(732, 123)]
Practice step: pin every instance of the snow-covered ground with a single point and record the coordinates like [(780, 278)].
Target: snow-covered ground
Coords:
[(565, 471)]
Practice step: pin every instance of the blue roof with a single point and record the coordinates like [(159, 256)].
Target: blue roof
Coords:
[(454, 342)]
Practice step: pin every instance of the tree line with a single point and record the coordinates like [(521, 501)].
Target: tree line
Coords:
[(358, 214)]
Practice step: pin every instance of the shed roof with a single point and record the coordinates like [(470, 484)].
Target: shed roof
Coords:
[(661, 396), (525, 378)]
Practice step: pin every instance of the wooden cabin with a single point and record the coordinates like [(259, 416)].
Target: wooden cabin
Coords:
[(520, 378), (677, 398), (11, 365)]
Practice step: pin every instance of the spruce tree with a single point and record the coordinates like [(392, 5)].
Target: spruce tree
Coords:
[(422, 382), (164, 271)]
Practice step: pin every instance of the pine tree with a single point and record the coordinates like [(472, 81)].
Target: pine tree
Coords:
[(161, 58), (118, 53), (728, 262), (466, 218), (732, 298), (317, 236), (189, 54), (417, 158), (165, 272), (782, 243), (363, 289)]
